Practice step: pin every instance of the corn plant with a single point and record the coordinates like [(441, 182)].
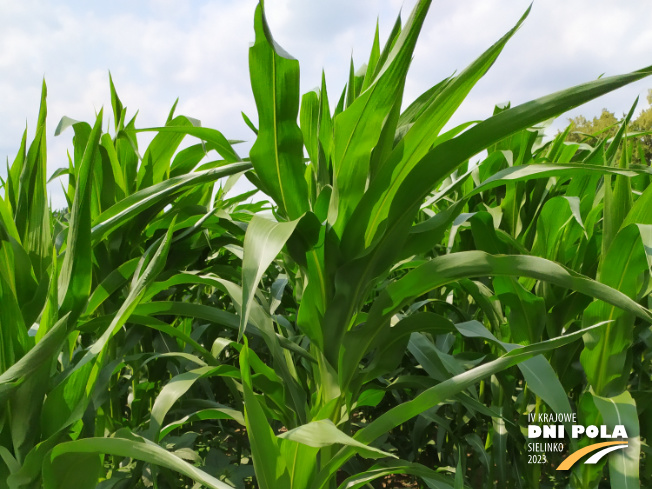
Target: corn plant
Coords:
[(560, 219), (66, 295), (348, 222)]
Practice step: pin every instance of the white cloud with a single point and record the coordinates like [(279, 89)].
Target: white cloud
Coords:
[(163, 49)]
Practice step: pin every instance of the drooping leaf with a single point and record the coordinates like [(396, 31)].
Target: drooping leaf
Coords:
[(132, 446), (263, 241)]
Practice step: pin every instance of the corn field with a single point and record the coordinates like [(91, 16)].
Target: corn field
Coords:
[(400, 302)]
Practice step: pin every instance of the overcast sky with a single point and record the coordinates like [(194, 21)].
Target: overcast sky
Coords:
[(158, 50)]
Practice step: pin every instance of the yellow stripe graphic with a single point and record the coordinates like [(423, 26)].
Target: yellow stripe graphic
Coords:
[(574, 457)]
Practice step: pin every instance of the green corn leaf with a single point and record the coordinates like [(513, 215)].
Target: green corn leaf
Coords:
[(498, 433), (315, 296), (187, 159), (75, 276), (59, 172), (14, 342), (324, 433), (467, 264), (154, 323), (310, 125), (422, 235), (417, 108), (392, 39), (116, 105), (284, 367), (617, 200), (588, 475), (527, 311), (264, 240), (641, 211), (9, 460), (126, 146), (304, 464), (433, 479), (391, 343), (32, 215), (133, 446), (277, 154), (116, 168), (249, 123), (203, 415), (65, 123), (420, 137), (212, 314), (200, 311), (112, 282), (374, 56), (527, 172), (16, 269), (13, 174), (537, 371), (26, 401), (155, 166), (325, 133)]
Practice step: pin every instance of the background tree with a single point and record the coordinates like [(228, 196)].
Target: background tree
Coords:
[(606, 125)]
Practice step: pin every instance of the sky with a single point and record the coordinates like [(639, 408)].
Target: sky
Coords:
[(158, 50)]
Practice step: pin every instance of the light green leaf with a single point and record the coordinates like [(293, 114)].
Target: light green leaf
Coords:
[(264, 240), (160, 195), (137, 448), (277, 154), (324, 433), (75, 276)]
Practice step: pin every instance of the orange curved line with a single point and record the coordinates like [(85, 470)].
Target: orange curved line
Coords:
[(574, 457)]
